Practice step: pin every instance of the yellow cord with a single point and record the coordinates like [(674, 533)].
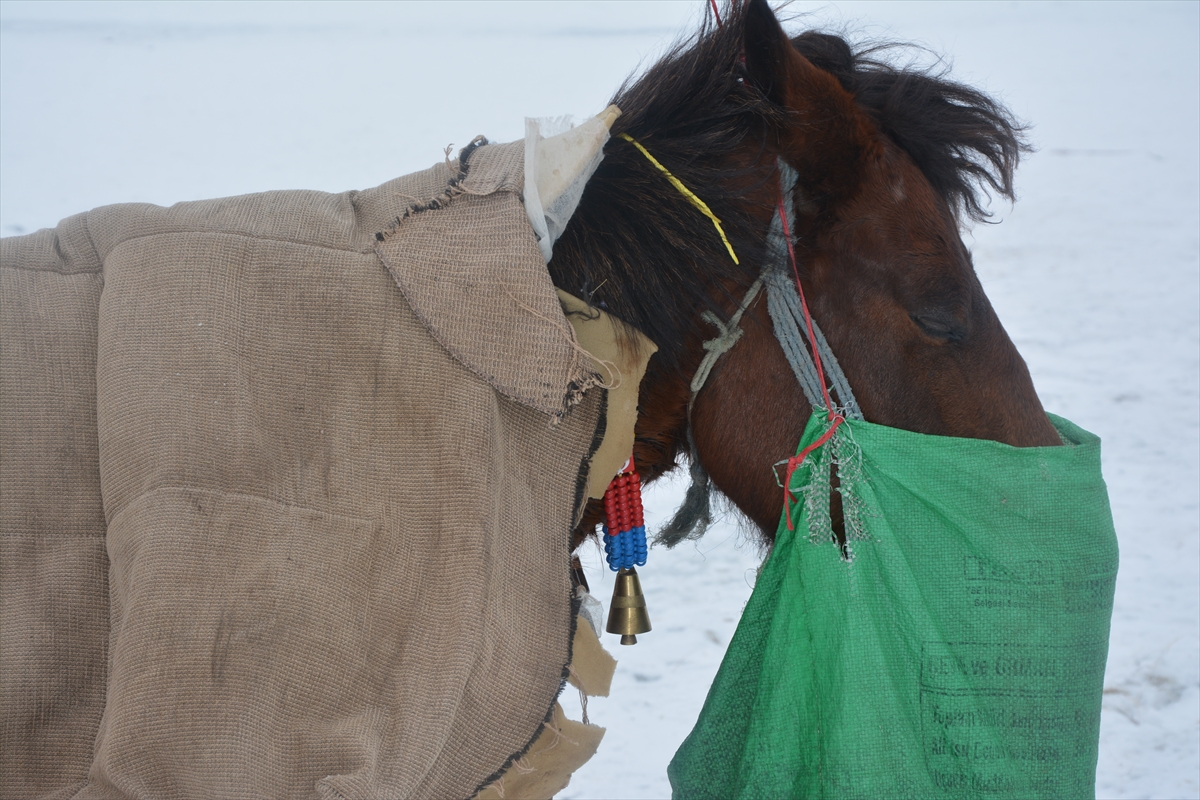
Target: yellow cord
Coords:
[(686, 192)]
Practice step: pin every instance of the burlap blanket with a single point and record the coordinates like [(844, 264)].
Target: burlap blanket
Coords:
[(287, 482)]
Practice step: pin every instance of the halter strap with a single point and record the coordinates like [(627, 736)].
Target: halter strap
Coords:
[(791, 323), (796, 331), (792, 329)]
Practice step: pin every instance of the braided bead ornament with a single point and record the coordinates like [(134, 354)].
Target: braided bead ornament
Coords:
[(625, 529)]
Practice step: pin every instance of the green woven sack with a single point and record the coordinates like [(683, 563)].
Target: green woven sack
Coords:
[(956, 649)]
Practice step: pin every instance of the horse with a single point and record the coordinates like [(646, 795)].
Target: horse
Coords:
[(881, 166), (888, 164), (891, 163)]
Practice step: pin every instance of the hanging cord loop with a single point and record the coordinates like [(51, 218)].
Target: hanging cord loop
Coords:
[(721, 344), (694, 515)]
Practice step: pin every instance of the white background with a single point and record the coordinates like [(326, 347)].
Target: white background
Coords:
[(1094, 272)]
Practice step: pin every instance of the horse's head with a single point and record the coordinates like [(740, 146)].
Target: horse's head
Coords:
[(887, 161)]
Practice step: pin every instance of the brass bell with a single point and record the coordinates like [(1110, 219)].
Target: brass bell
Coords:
[(627, 615)]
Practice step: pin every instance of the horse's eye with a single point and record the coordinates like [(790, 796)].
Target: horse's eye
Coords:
[(939, 327)]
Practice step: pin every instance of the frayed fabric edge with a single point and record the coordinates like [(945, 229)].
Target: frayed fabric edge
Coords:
[(453, 189), (580, 378)]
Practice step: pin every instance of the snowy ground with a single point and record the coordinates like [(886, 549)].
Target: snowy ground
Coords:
[(1095, 271)]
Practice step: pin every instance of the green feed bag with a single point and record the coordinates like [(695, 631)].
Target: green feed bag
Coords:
[(954, 649)]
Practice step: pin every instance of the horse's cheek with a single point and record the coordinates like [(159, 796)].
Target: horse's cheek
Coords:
[(750, 416)]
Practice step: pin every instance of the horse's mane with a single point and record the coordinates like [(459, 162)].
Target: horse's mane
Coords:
[(966, 144), (635, 246)]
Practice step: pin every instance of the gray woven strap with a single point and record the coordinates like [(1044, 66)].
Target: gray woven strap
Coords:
[(783, 303), (694, 515)]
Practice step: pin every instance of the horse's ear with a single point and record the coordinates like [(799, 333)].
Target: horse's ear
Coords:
[(826, 135), (766, 47)]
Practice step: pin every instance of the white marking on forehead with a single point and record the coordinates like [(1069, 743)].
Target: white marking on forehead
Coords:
[(898, 193)]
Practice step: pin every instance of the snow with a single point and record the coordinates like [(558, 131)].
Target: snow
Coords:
[(1094, 272)]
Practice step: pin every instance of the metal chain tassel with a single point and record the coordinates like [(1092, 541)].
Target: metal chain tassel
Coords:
[(625, 546)]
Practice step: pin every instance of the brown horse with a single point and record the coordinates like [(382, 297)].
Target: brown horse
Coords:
[(890, 161)]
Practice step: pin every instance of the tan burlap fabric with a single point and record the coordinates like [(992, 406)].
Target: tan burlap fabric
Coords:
[(284, 504), (564, 745)]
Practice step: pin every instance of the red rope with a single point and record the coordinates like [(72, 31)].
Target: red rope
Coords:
[(716, 13), (837, 419), (787, 237)]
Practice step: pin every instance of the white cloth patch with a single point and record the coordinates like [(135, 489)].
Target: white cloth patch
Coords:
[(560, 157)]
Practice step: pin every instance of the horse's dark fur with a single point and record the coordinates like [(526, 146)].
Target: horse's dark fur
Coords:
[(962, 140)]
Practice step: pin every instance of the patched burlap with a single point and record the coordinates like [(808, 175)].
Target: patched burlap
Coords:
[(564, 745), (274, 525)]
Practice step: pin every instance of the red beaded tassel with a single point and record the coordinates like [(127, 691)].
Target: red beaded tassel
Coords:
[(625, 531)]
